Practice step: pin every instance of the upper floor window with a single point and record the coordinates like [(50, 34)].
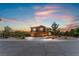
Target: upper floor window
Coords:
[(41, 29), (34, 29)]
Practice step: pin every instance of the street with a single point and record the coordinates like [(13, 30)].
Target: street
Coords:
[(39, 48)]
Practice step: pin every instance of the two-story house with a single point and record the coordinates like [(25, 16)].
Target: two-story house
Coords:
[(40, 31)]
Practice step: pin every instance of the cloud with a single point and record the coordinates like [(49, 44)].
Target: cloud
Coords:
[(73, 23), (19, 24), (37, 7), (52, 15), (45, 10), (51, 12), (47, 7), (26, 22), (69, 26), (44, 13), (63, 17), (12, 20)]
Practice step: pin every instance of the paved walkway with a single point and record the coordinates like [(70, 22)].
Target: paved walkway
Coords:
[(39, 48)]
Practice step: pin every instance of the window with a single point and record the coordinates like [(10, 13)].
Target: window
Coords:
[(34, 29), (41, 29), (49, 33)]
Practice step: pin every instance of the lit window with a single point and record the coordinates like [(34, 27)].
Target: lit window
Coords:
[(49, 33), (41, 29), (34, 29)]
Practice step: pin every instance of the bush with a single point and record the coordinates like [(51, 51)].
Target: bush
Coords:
[(21, 34)]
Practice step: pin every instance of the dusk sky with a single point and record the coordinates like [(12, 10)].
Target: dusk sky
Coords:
[(23, 16)]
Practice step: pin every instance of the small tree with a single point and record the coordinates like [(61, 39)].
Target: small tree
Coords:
[(21, 34), (71, 33), (76, 33), (66, 33), (77, 30), (7, 31), (55, 29), (0, 19)]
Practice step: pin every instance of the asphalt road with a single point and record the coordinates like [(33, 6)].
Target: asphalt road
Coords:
[(39, 48)]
